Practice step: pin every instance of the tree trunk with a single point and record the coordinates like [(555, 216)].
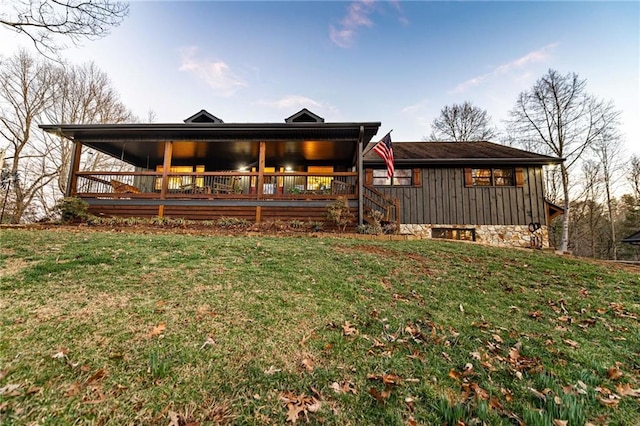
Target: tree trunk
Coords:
[(565, 219)]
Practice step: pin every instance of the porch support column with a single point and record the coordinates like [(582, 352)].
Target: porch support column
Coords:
[(260, 189), (72, 180), (360, 177), (166, 166)]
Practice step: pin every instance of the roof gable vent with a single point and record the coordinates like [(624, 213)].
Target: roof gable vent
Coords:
[(304, 116), (203, 117)]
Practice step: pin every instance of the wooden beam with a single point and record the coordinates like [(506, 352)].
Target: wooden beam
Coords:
[(258, 214), (166, 167), (72, 181), (359, 166), (261, 165)]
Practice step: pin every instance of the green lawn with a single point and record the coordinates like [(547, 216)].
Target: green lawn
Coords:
[(131, 328)]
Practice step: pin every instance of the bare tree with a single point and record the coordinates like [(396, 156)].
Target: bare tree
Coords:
[(26, 90), (558, 117), (33, 91), (607, 148), (462, 123), (45, 21), (634, 176), (84, 95)]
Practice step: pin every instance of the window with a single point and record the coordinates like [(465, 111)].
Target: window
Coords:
[(401, 177), (454, 234), (492, 177)]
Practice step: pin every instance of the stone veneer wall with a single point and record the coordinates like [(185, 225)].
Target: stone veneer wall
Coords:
[(497, 235)]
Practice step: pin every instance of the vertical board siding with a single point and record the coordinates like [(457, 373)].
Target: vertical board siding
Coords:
[(442, 198)]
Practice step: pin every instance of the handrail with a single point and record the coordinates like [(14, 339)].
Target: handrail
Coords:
[(390, 207)]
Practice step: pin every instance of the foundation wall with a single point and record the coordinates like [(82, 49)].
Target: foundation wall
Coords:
[(496, 235)]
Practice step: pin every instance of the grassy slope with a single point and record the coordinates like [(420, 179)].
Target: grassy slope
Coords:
[(470, 332)]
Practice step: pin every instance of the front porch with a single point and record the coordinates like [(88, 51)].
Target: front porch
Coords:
[(252, 196)]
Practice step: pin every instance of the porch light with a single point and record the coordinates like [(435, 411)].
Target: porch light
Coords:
[(288, 169), (242, 168)]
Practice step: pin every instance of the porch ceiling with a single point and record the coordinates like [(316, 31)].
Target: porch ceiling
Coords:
[(223, 146)]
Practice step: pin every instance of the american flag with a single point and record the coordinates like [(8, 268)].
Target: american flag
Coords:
[(385, 151)]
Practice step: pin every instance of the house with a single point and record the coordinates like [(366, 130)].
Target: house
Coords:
[(632, 239), (205, 168), (478, 191)]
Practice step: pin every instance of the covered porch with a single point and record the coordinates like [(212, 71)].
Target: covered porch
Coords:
[(205, 169)]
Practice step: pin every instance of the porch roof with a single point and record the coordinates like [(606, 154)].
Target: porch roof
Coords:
[(222, 145)]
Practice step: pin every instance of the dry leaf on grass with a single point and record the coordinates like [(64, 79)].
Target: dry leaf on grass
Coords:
[(300, 406), (611, 401), (614, 374), (557, 422), (11, 389), (345, 387), (379, 396), (271, 370), (626, 390), (348, 329), (158, 329), (208, 342), (572, 343)]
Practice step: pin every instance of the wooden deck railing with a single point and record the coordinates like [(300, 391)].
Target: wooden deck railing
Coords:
[(215, 185), (376, 200)]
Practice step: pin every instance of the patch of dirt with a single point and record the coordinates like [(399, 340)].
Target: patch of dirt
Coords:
[(13, 266)]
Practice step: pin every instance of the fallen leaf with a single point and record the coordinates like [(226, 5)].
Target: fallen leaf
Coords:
[(158, 329), (379, 396), (614, 374), (33, 389), (307, 364), (271, 370), (98, 375), (10, 390), (62, 353), (557, 422), (411, 421), (208, 342), (175, 419), (461, 308), (348, 329), (72, 390), (315, 406), (538, 394), (572, 343), (497, 338), (626, 390), (611, 401)]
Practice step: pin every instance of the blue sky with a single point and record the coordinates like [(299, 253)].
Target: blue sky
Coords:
[(394, 62)]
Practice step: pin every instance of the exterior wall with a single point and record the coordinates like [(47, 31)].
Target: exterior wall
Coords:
[(442, 198), (497, 235)]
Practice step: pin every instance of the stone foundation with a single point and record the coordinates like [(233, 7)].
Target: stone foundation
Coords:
[(496, 235)]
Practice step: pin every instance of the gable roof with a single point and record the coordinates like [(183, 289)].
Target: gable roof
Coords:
[(633, 238), (304, 116), (203, 117), (454, 153)]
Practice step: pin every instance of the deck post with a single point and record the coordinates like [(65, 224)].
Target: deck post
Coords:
[(261, 165), (72, 181), (360, 149), (166, 166)]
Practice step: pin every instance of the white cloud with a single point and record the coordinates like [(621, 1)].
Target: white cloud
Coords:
[(530, 58), (216, 74), (357, 16), (297, 102)]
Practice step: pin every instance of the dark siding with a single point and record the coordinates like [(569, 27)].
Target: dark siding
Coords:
[(442, 198)]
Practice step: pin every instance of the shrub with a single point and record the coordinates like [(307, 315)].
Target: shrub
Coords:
[(340, 213), (72, 209), (233, 222)]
